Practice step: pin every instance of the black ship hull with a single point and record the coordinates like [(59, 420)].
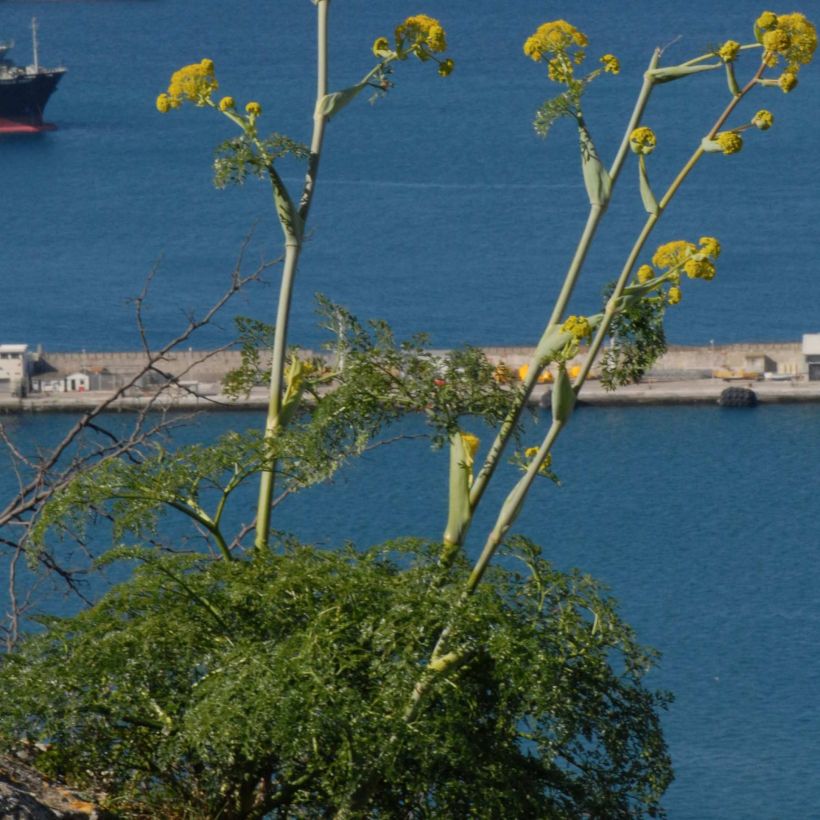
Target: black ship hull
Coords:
[(23, 98)]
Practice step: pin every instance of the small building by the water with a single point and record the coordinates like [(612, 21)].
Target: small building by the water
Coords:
[(811, 350), (77, 381), (14, 370)]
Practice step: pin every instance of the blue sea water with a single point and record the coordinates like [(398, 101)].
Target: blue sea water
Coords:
[(439, 209)]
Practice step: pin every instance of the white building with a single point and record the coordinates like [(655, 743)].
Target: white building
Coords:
[(14, 370), (811, 350)]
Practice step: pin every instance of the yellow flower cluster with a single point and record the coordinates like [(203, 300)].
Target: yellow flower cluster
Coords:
[(728, 51), (531, 452), (557, 37), (194, 82), (729, 142), (787, 81), (642, 140), (420, 35), (227, 104), (701, 265), (766, 20), (710, 246), (445, 67), (419, 32), (696, 262), (763, 120), (559, 69), (562, 45), (673, 254), (776, 40), (611, 64), (253, 109), (790, 36), (578, 326), (699, 268)]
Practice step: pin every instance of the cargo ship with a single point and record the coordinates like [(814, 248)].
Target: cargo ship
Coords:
[(25, 90)]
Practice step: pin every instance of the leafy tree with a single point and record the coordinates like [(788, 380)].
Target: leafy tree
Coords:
[(277, 687)]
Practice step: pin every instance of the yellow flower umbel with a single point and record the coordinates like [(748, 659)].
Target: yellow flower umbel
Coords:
[(445, 67), (557, 37), (673, 254), (642, 140), (728, 51), (787, 81), (561, 46), (194, 83), (701, 265), (531, 452), (763, 120), (420, 35), (696, 262), (710, 246), (611, 63), (644, 274), (578, 326), (227, 104), (766, 20), (790, 36), (729, 142), (698, 268)]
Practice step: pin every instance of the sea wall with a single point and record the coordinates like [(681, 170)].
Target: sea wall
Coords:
[(698, 361), (198, 365)]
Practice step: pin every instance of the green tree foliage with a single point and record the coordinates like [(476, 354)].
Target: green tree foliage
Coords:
[(280, 687)]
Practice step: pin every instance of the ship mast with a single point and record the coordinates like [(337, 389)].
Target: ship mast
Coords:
[(34, 43)]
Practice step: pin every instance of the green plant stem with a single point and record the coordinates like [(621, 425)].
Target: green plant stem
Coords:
[(509, 511), (319, 122), (596, 213), (293, 246), (195, 512)]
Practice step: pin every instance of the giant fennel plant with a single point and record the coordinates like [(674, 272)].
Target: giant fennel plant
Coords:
[(405, 679)]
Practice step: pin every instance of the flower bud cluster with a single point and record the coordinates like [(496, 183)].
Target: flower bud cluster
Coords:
[(421, 36), (642, 140), (790, 36), (696, 261), (578, 326), (562, 47), (728, 51), (531, 452), (194, 83)]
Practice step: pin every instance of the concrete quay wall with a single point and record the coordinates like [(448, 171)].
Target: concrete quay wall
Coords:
[(782, 357), (683, 375), (198, 365)]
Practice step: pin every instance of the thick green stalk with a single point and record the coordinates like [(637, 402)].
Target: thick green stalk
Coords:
[(510, 510), (266, 478), (293, 244), (319, 121), (596, 213)]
